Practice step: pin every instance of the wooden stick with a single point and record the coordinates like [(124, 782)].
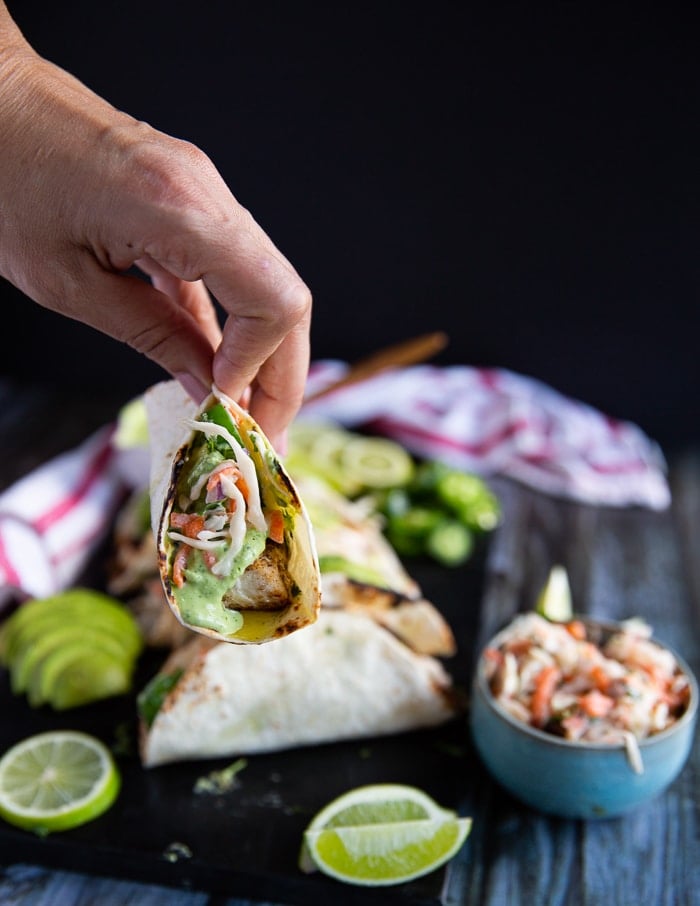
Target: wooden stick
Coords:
[(410, 352)]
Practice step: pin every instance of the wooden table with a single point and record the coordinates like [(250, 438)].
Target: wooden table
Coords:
[(621, 562)]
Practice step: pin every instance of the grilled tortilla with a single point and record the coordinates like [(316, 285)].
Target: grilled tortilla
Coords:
[(235, 547), (345, 677), (361, 571)]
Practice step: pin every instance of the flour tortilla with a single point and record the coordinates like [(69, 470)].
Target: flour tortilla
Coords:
[(168, 408), (344, 677), (348, 531)]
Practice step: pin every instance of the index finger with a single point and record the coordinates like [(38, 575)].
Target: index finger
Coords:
[(265, 341), (277, 389)]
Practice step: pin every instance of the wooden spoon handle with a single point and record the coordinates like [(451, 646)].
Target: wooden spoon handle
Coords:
[(410, 352)]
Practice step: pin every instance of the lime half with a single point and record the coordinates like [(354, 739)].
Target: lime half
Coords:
[(57, 780), (554, 602), (382, 834)]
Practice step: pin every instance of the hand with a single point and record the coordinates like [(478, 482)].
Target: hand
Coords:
[(86, 192)]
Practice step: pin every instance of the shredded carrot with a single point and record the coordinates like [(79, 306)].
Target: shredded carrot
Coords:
[(190, 523), (577, 629), (276, 528), (229, 469), (656, 674), (600, 678), (545, 684), (595, 704), (242, 486), (493, 654), (519, 647), (179, 564)]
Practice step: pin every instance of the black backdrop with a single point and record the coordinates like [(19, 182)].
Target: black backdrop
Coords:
[(524, 178)]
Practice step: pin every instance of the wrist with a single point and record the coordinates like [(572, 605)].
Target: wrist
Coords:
[(16, 58), (12, 41)]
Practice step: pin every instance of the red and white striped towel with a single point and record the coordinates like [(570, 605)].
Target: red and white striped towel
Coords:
[(495, 422), (484, 420), (52, 519)]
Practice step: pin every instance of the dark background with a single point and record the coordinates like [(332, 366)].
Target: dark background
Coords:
[(525, 179)]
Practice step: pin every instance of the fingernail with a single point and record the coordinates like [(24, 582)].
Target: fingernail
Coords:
[(196, 389)]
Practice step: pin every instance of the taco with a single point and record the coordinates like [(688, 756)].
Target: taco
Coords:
[(346, 677), (235, 547), (361, 571)]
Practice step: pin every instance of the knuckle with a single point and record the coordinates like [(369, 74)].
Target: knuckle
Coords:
[(296, 305), (150, 340), (160, 170), (172, 184), (165, 174)]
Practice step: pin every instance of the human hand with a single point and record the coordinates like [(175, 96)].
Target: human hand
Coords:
[(86, 192)]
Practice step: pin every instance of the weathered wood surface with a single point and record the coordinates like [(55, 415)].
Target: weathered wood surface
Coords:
[(620, 563)]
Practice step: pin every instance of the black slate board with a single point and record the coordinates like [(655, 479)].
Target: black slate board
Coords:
[(246, 842)]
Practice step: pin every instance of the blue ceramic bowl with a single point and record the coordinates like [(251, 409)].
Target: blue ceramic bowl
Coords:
[(574, 779)]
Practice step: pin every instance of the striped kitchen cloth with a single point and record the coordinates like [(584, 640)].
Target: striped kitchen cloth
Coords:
[(52, 519), (495, 422), (488, 421)]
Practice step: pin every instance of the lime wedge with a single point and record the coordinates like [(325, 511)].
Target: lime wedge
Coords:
[(554, 602), (382, 834), (56, 780)]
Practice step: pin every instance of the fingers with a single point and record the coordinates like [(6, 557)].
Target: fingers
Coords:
[(268, 349), (277, 385), (262, 357), (152, 323), (190, 296), (208, 240), (191, 234), (265, 340), (145, 197), (278, 390)]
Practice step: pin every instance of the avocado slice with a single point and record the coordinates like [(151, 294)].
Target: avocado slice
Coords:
[(37, 618), (81, 605), (86, 665), (30, 656), (88, 678)]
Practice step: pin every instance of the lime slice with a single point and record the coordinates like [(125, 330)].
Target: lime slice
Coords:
[(56, 780), (382, 834), (376, 462), (554, 602), (132, 425)]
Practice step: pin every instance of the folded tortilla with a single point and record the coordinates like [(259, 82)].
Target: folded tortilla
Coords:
[(344, 677), (235, 547), (361, 571)]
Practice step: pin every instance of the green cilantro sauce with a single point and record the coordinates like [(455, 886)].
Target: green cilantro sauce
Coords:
[(200, 598)]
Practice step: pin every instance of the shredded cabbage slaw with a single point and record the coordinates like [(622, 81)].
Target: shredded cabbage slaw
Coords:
[(555, 677)]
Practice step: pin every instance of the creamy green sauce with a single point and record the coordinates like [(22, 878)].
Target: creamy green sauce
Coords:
[(200, 598)]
